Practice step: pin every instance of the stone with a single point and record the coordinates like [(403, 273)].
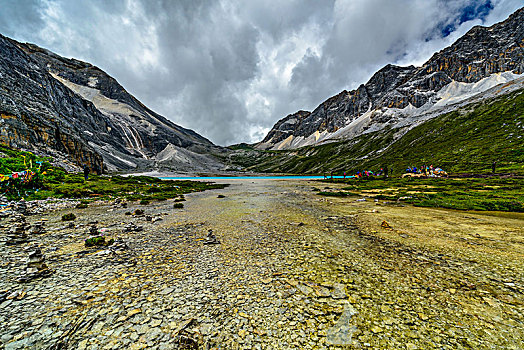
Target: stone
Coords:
[(339, 291), (211, 238), (21, 207), (17, 230), (93, 230), (37, 228), (131, 227), (118, 246), (134, 312), (35, 266), (342, 332), (376, 329)]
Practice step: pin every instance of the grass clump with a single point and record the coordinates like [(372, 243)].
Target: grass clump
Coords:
[(178, 205), (68, 217), (98, 241)]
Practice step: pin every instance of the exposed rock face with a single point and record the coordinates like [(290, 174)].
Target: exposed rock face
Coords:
[(57, 105), (478, 54), (290, 125)]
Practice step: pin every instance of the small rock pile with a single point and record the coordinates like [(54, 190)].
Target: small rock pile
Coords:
[(35, 267), (37, 228), (118, 203), (16, 233), (21, 207), (4, 207), (119, 246), (211, 238), (131, 227), (93, 230), (153, 218)]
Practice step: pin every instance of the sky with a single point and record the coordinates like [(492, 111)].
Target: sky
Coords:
[(230, 69)]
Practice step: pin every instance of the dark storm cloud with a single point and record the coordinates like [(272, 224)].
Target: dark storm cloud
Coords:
[(230, 69)]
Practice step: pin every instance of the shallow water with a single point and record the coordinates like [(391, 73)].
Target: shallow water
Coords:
[(211, 178)]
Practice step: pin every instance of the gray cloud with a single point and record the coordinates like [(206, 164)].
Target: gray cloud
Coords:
[(230, 69)]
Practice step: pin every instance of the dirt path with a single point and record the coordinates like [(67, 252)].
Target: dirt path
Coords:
[(293, 271)]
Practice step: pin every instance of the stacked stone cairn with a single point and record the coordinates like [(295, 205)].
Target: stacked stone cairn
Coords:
[(119, 246), (37, 228), (118, 203), (35, 266), (16, 233), (131, 227), (4, 207), (93, 230), (21, 207), (211, 238)]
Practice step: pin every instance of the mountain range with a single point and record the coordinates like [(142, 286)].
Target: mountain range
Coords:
[(74, 111), (398, 96), (79, 115)]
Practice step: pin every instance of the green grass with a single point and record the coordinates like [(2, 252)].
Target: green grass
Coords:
[(15, 160), (56, 183), (133, 188), (488, 194), (464, 141)]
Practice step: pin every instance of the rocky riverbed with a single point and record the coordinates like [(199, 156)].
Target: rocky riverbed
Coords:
[(283, 269)]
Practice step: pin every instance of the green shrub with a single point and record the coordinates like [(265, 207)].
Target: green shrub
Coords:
[(98, 241), (178, 205), (68, 217)]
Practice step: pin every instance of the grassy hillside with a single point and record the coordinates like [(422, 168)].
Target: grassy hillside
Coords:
[(467, 140)]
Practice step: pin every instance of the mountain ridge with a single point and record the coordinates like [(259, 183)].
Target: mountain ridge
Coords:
[(69, 108), (481, 52)]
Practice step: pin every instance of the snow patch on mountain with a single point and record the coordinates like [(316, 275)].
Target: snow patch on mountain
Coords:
[(449, 98)]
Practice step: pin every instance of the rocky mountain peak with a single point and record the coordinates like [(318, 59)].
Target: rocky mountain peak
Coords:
[(479, 54), (58, 105)]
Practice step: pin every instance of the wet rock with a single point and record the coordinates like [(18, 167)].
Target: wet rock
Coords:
[(342, 332)]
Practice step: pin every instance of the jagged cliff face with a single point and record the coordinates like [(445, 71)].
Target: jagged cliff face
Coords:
[(393, 93), (64, 106)]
